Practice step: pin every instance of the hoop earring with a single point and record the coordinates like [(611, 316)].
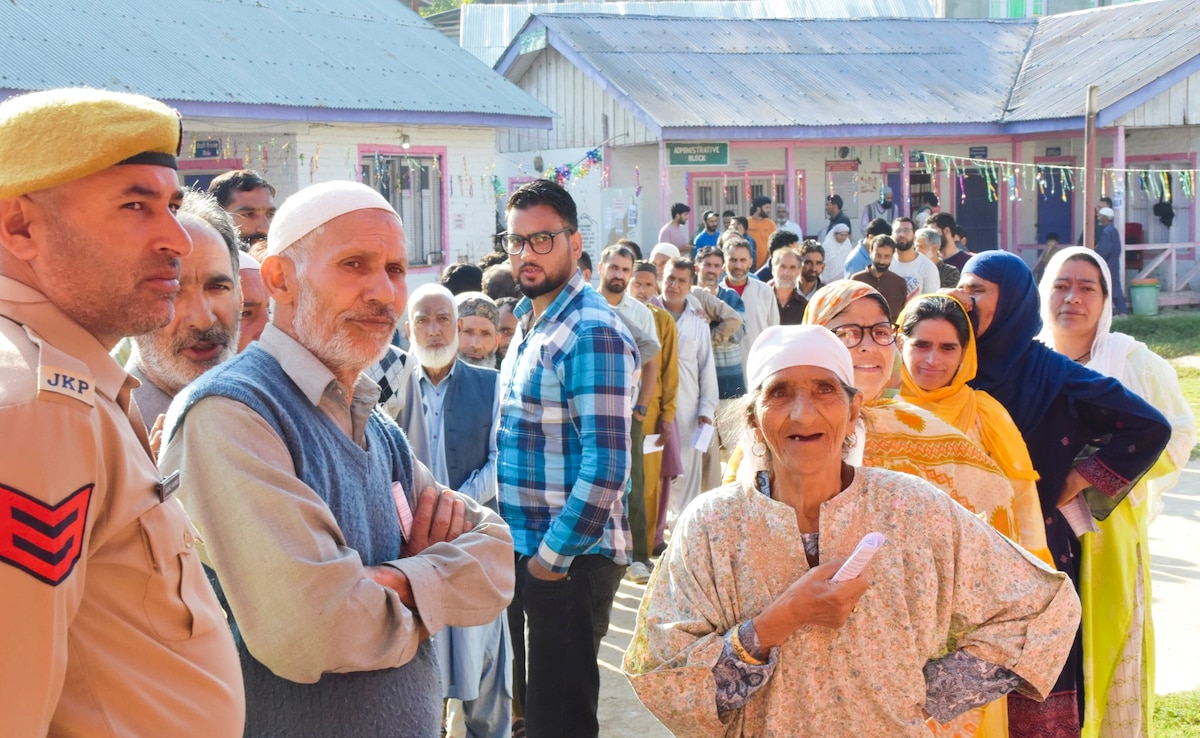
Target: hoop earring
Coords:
[(758, 449), (851, 441)]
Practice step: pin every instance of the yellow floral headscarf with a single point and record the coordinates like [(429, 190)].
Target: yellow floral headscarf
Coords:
[(967, 408)]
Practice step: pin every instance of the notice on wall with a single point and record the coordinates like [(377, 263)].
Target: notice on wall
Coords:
[(459, 221)]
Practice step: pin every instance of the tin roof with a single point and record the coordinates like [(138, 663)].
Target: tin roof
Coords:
[(694, 73), (754, 78), (1124, 49), (485, 30), (307, 55)]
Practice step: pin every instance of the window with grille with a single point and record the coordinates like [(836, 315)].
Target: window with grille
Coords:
[(413, 185)]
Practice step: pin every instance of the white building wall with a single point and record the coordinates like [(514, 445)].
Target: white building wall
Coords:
[(299, 154), (1178, 106), (588, 116)]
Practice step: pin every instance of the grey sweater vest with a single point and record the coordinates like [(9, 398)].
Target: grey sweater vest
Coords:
[(356, 485)]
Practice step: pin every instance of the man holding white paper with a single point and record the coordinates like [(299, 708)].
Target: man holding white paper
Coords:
[(616, 272), (696, 397)]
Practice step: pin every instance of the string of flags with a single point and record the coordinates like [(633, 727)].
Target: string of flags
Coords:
[(1056, 180)]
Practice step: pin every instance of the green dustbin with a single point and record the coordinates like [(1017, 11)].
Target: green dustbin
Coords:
[(1143, 293)]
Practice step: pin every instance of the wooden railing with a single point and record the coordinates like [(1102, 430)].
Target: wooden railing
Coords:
[(1175, 289)]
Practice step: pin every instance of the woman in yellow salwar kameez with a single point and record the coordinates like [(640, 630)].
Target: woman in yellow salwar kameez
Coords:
[(1118, 637)]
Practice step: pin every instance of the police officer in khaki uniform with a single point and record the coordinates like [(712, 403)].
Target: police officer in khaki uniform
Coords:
[(108, 626)]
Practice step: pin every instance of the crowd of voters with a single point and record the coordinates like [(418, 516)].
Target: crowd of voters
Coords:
[(251, 485)]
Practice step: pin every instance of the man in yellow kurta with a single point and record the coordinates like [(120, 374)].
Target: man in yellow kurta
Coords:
[(661, 417)]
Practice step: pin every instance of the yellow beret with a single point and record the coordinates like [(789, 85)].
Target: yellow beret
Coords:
[(58, 136)]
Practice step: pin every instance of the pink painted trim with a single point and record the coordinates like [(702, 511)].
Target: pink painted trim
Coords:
[(194, 165), (365, 150)]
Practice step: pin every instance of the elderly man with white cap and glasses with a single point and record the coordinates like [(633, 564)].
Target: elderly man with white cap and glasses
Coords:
[(335, 551), (107, 626)]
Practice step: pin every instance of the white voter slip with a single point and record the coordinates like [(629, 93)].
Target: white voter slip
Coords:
[(863, 553)]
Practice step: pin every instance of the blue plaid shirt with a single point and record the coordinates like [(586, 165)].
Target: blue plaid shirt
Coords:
[(727, 356), (566, 403)]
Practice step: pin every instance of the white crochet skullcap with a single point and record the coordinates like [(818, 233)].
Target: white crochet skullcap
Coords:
[(316, 205), (670, 249), (784, 346), (246, 261)]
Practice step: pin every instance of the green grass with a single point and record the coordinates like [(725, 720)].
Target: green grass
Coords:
[(1177, 715), (1170, 335)]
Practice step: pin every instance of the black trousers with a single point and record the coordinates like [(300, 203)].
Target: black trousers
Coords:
[(556, 676)]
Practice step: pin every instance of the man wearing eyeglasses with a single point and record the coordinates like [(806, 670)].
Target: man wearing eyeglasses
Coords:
[(566, 408)]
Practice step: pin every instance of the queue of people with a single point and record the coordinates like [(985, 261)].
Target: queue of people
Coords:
[(364, 512)]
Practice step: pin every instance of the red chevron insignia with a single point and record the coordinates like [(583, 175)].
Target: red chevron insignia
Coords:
[(40, 539)]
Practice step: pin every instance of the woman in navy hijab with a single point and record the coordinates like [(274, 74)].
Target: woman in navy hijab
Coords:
[(1064, 412)]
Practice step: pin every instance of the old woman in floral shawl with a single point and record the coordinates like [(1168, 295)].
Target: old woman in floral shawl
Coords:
[(742, 631)]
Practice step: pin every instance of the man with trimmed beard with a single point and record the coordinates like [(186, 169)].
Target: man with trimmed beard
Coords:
[(616, 271), (478, 329), (879, 276), (449, 416), (204, 331), (566, 395), (109, 627), (508, 326), (334, 549), (250, 199), (759, 308), (919, 273), (785, 263)]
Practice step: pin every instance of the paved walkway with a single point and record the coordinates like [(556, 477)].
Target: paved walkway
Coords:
[(1175, 571)]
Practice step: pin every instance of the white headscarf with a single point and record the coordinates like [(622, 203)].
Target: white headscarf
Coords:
[(1108, 349), (836, 253)]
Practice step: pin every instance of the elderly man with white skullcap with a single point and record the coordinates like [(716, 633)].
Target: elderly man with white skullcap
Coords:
[(336, 552)]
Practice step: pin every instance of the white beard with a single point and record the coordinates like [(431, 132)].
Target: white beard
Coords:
[(438, 358)]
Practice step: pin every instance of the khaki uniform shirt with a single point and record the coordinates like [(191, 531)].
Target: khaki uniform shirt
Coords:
[(108, 626)]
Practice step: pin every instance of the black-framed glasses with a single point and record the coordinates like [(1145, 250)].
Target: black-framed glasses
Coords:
[(541, 242), (852, 335)]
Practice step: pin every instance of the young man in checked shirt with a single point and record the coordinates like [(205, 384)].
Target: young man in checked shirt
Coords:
[(566, 389)]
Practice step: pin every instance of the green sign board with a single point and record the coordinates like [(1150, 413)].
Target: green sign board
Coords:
[(699, 154)]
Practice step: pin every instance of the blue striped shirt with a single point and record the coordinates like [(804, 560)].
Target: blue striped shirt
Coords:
[(566, 405)]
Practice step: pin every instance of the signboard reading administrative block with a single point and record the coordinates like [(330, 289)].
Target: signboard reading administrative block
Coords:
[(699, 154)]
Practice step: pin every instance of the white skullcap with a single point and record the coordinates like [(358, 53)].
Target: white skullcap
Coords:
[(1107, 213), (670, 249), (246, 261), (315, 206), (840, 228), (783, 346)]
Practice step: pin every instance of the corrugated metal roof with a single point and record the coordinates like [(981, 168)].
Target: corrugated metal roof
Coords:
[(762, 73), (1121, 49), (486, 30), (366, 55)]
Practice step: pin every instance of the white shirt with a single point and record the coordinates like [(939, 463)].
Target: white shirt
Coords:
[(920, 274), (762, 311)]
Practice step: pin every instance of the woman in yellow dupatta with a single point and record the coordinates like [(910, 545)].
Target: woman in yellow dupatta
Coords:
[(938, 352)]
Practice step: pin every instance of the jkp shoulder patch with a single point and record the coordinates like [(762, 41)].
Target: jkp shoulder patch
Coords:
[(43, 540), (63, 381)]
